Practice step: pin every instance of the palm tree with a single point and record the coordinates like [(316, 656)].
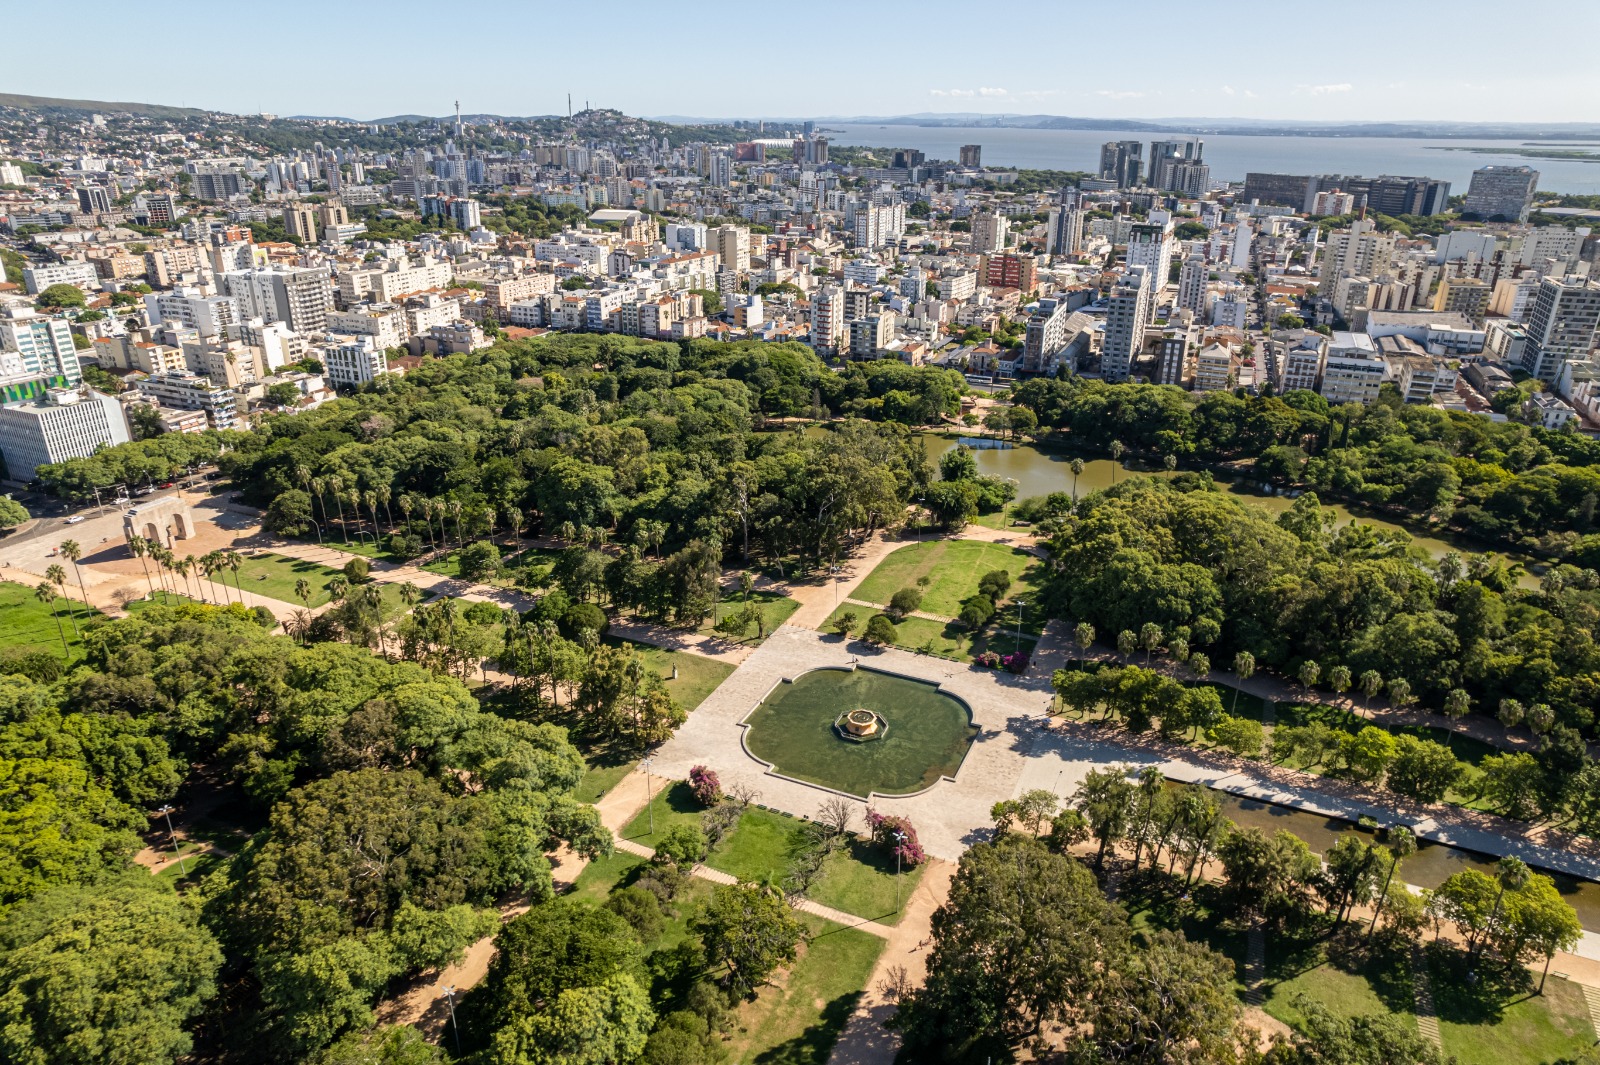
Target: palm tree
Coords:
[(1076, 466), (1149, 639), (1511, 713), (140, 547), (302, 591), (1339, 681), (1127, 642), (1116, 458), (337, 586), (335, 485), (355, 505), (1371, 683), (46, 594), (58, 577), (1171, 463), (317, 486), (383, 493), (183, 568), (410, 594), (72, 552), (1540, 718), (1512, 874), (514, 520), (298, 625), (208, 564), (1400, 692), (455, 512), (235, 562), (1456, 704), (405, 510), (1244, 667), (1083, 633), (1402, 845), (1309, 672)]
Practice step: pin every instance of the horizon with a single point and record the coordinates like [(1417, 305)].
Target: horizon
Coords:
[(1108, 81)]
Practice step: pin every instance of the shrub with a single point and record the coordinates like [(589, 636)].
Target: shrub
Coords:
[(264, 617), (845, 622), (1241, 735), (988, 660), (640, 908), (886, 827), (994, 584), (483, 614), (905, 601), (1016, 662), (681, 846), (881, 630), (976, 612), (357, 570), (406, 545), (581, 616), (479, 560), (705, 786)]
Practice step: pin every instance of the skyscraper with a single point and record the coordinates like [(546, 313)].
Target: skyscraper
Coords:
[(1150, 246), (827, 320), (1166, 155), (1501, 193), (972, 155), (1125, 322), (1561, 324), (989, 233), (1066, 225), (1120, 161)]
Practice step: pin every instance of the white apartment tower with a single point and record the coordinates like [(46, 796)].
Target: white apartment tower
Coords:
[(1126, 316), (1193, 277), (989, 231), (1150, 246), (828, 335), (1561, 325)]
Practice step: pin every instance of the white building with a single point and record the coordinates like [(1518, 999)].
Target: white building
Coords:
[(35, 279), (989, 231), (1150, 246), (43, 344), (828, 335), (1125, 322), (210, 316), (1561, 325), (1352, 371), (66, 424), (353, 361), (384, 323), (298, 296)]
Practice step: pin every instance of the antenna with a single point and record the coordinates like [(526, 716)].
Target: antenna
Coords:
[(569, 105)]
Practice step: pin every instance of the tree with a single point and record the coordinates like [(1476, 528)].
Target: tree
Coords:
[(1538, 923), (1083, 636), (1105, 798), (1267, 876), (107, 974), (1510, 713), (478, 560), (905, 601), (58, 296), (398, 1044), (45, 592), (72, 552), (1169, 1001), (844, 621), (1149, 639), (1368, 754), (1308, 673), (594, 1025), (1423, 770), (1244, 667), (12, 513), (1369, 1039), (751, 930), (1402, 844), (1127, 642), (881, 630), (1371, 683), (1018, 945), (1242, 736)]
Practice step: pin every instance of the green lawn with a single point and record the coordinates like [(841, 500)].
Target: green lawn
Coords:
[(275, 576), (860, 879), (603, 874), (796, 1020), (953, 568), (1497, 1022), (27, 625), (775, 608), (1349, 983), (948, 640), (134, 606), (761, 845), (672, 805), (533, 562), (197, 868)]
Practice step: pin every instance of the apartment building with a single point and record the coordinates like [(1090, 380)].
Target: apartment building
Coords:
[(67, 423)]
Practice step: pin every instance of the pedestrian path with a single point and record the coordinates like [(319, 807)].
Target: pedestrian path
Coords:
[(717, 876), (1427, 1018), (1255, 966), (1591, 998)]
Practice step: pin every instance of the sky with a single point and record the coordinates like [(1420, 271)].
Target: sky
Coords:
[(1363, 60)]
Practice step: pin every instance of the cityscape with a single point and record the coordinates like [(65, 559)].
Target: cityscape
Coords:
[(596, 588)]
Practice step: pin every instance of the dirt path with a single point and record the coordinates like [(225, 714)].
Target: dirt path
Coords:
[(865, 1041)]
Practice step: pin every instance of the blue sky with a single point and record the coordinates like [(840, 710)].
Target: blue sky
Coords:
[(1361, 60)]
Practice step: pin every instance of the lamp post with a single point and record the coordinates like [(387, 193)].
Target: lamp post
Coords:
[(649, 804), (166, 811), (920, 509), (1018, 648), (450, 999), (899, 842)]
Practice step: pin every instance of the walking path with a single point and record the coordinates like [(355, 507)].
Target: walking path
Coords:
[(1427, 1016)]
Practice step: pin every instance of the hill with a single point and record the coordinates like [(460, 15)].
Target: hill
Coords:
[(54, 103)]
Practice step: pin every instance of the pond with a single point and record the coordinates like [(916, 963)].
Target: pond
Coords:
[(924, 732), (1038, 472), (1431, 866)]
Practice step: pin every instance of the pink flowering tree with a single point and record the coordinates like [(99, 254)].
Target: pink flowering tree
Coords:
[(897, 836), (705, 786)]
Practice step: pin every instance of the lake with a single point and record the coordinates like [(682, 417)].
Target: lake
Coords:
[(1231, 156), (1039, 472)]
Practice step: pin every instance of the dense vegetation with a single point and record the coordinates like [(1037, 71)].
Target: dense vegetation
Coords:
[(1526, 486)]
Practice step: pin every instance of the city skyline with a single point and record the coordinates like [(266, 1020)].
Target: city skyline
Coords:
[(1106, 76)]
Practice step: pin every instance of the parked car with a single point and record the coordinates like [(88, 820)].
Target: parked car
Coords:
[(75, 519)]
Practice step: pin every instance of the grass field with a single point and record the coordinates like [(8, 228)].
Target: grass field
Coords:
[(774, 606), (860, 879), (946, 639), (28, 625), (275, 576), (953, 568), (672, 805), (761, 844)]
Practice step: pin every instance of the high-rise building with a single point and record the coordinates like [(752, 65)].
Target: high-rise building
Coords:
[(220, 184), (94, 199), (1561, 325), (989, 232), (1150, 246), (1193, 277), (972, 155), (300, 222), (1387, 193), (1360, 251), (161, 209), (1165, 156), (1467, 296), (1066, 226), (733, 244), (43, 345), (720, 168), (879, 224), (1501, 193), (299, 296), (827, 320), (1121, 161), (1010, 271), (68, 423), (37, 278), (1126, 316), (906, 158)]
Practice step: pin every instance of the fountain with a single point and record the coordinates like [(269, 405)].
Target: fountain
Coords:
[(860, 725)]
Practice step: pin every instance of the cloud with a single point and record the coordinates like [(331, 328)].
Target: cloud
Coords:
[(1322, 90), (1115, 94), (984, 90), (991, 92), (1227, 90)]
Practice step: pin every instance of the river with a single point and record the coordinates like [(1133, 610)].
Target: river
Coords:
[(1232, 156), (1039, 472)]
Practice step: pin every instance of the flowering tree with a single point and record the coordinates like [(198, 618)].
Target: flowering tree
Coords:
[(705, 786), (896, 835)]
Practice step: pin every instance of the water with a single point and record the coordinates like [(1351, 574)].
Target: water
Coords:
[(1432, 865), (1231, 157), (1039, 472)]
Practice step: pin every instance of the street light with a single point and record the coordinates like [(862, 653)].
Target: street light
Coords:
[(450, 998), (1020, 605), (899, 841), (644, 763), (166, 811)]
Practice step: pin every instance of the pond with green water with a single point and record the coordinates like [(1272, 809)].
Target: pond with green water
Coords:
[(927, 734)]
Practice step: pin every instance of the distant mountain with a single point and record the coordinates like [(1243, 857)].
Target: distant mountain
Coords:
[(53, 103)]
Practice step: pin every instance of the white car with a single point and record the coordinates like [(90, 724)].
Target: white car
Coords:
[(75, 519)]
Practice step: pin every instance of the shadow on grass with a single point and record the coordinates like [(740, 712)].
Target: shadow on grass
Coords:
[(1473, 992), (679, 800), (813, 1046)]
